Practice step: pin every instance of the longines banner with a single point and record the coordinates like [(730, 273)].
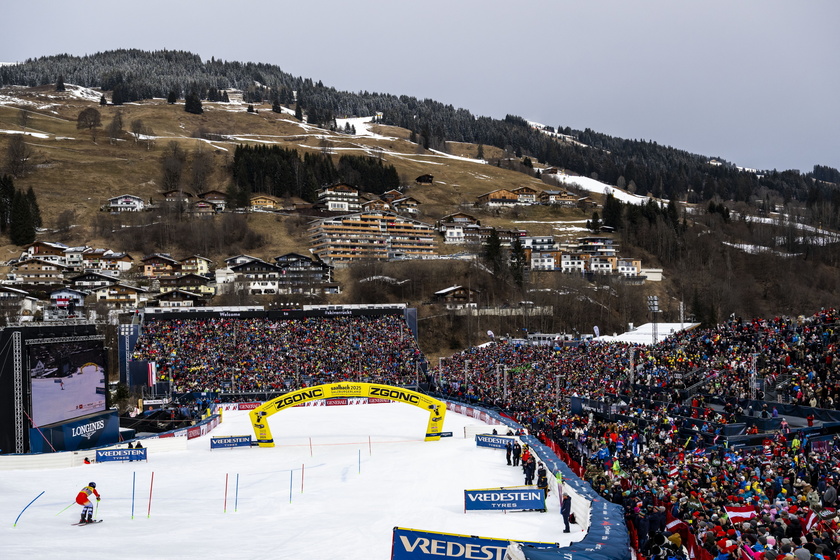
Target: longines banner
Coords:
[(92, 431), (410, 544)]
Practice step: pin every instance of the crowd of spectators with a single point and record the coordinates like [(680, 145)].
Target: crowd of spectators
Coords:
[(250, 355), (675, 488)]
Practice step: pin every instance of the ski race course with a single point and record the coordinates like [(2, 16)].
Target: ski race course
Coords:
[(339, 480)]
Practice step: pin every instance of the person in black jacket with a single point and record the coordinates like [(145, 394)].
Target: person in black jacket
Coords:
[(508, 451), (530, 468), (517, 452), (566, 511)]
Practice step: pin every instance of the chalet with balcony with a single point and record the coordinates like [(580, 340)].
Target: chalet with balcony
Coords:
[(376, 205), (265, 202), (300, 274), (160, 264), (39, 272), (407, 205), (457, 297), (195, 283), (257, 276), (125, 203), (498, 198), (91, 280), (559, 198), (217, 198), (340, 198), (526, 195), (121, 296), (105, 260), (46, 251), (196, 264), (179, 299)]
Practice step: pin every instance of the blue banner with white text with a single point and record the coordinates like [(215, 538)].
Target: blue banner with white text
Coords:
[(486, 440), (409, 544), (222, 442), (105, 455), (501, 499)]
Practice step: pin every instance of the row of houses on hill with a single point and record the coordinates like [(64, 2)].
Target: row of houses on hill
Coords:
[(117, 281)]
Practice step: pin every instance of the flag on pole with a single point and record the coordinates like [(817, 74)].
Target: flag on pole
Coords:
[(737, 514), (152, 372)]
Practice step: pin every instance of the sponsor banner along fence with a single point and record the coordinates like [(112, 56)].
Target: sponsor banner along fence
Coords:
[(105, 455), (503, 499), (498, 442), (222, 442), (411, 544)]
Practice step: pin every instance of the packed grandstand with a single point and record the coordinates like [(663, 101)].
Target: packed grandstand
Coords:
[(717, 443)]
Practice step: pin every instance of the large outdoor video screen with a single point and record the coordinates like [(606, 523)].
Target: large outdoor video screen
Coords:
[(68, 380)]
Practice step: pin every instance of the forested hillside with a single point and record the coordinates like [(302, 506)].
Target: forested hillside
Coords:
[(642, 166)]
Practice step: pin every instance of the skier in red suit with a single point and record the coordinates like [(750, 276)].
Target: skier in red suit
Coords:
[(83, 499)]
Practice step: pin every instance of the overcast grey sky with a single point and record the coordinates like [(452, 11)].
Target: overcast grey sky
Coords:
[(756, 82)]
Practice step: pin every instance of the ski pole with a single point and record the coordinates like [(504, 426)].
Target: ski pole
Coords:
[(95, 511), (65, 509), (29, 504)]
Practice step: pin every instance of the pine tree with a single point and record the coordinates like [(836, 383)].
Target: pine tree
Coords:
[(21, 225), (493, 252), (59, 84), (172, 97), (102, 100), (192, 104), (34, 210), (7, 194), (517, 263)]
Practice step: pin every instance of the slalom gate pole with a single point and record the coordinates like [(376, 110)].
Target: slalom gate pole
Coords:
[(65, 509), (301, 477), (29, 504), (133, 485), (226, 487), (291, 475), (236, 495), (310, 447), (151, 486)]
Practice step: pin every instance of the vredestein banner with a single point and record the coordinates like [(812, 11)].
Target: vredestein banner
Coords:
[(436, 408), (409, 544), (489, 440), (501, 499), (105, 455)]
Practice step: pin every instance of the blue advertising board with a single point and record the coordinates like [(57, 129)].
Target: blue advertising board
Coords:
[(409, 544), (91, 431), (488, 440), (105, 455), (520, 497), (222, 442)]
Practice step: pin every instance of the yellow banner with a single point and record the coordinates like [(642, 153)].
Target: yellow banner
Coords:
[(436, 408)]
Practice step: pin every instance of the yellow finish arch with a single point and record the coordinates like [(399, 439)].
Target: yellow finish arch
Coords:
[(259, 416)]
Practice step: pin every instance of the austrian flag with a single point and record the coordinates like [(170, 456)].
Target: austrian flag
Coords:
[(738, 514)]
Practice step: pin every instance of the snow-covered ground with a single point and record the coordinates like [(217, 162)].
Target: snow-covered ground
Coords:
[(337, 483)]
